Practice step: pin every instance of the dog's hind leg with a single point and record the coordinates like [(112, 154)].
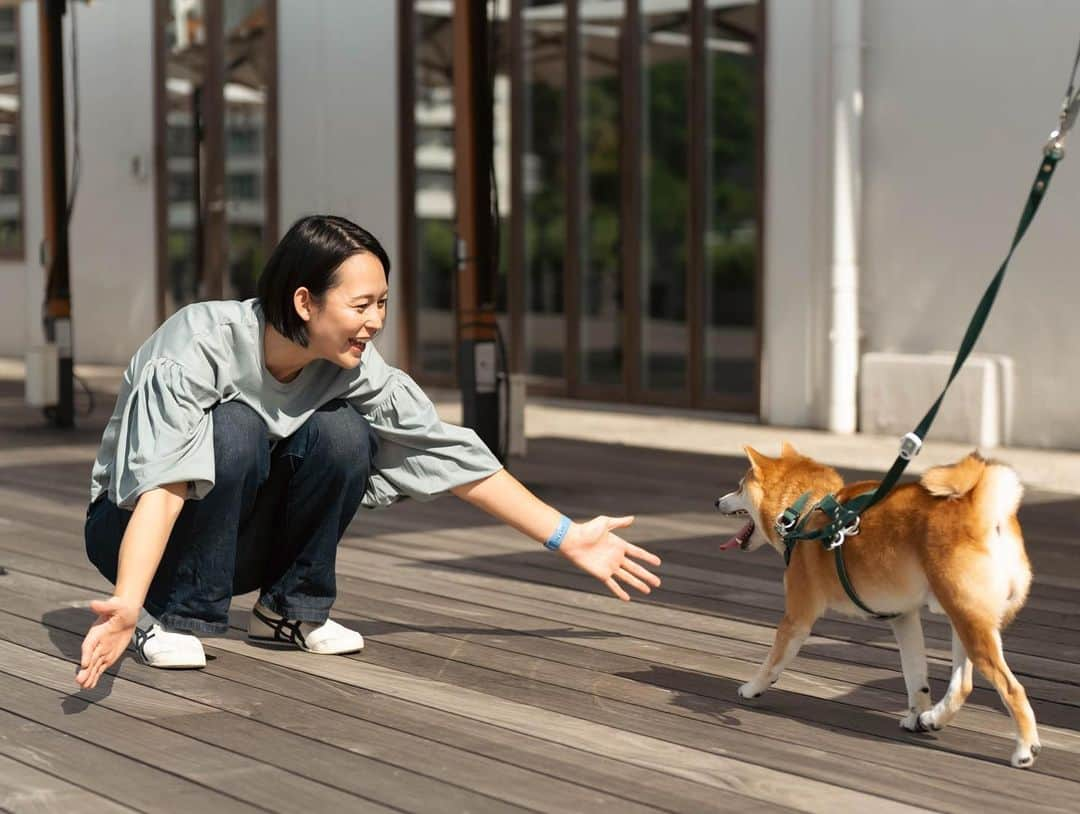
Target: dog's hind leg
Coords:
[(942, 713), (982, 641), (984, 646), (909, 636)]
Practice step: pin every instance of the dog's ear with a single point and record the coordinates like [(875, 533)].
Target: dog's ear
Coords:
[(757, 460), (788, 451)]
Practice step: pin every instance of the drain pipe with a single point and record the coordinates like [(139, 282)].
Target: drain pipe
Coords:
[(846, 99)]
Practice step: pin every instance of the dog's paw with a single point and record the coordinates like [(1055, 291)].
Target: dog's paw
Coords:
[(1023, 757), (751, 689), (910, 723), (1025, 754), (916, 721)]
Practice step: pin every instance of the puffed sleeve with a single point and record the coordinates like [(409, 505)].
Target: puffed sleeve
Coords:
[(165, 434), (419, 456)]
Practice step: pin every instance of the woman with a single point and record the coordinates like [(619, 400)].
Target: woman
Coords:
[(245, 437)]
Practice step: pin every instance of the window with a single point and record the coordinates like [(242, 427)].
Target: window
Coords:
[(218, 223), (11, 225), (634, 213)]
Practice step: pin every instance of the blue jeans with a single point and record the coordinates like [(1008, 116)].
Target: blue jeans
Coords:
[(272, 522)]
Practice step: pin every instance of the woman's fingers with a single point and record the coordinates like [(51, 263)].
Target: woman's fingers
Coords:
[(641, 572), (617, 589), (89, 645), (619, 522), (102, 607), (104, 661), (632, 581), (636, 551), (96, 659)]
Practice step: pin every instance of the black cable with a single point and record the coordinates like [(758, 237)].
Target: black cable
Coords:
[(90, 403)]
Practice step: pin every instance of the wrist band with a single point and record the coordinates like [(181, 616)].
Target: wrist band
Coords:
[(556, 538)]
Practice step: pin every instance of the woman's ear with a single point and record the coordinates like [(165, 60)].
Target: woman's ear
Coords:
[(302, 303)]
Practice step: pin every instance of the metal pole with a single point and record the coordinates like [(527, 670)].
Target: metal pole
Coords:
[(473, 145), (57, 311)]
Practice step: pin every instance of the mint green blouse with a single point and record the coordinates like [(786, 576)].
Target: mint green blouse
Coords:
[(212, 352)]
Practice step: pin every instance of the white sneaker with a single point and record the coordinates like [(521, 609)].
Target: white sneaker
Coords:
[(328, 639), (157, 647)]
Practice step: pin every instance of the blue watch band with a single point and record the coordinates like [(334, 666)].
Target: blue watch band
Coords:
[(556, 538)]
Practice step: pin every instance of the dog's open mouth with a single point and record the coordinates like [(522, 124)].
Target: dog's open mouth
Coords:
[(742, 539)]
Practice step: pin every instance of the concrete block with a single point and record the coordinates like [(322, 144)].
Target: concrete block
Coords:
[(896, 390)]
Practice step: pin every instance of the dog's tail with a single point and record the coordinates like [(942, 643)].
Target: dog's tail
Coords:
[(997, 484)]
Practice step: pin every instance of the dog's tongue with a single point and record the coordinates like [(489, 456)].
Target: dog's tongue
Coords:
[(740, 538)]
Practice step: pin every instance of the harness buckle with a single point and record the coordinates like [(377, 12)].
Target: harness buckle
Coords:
[(786, 522), (842, 533), (910, 445), (837, 539)]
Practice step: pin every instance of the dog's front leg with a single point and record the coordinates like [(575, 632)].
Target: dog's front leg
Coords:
[(790, 636), (909, 635)]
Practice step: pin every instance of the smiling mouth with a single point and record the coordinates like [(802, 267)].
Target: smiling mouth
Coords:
[(742, 538)]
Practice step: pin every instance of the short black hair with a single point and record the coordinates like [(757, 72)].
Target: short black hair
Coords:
[(308, 257)]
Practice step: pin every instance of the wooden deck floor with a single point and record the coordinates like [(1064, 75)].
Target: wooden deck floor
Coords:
[(496, 678)]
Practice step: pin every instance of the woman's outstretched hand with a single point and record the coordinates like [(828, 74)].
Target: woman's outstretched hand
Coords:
[(597, 550), (106, 640)]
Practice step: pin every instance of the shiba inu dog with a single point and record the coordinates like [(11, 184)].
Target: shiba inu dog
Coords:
[(952, 541)]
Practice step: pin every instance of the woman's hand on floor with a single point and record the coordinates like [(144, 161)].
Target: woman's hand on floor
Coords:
[(106, 640), (597, 550)]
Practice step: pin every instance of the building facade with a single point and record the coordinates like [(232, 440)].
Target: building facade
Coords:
[(716, 204)]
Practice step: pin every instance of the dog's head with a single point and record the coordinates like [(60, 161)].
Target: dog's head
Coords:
[(769, 486)]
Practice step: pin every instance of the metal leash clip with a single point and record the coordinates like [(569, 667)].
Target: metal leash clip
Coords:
[(910, 445), (1055, 146)]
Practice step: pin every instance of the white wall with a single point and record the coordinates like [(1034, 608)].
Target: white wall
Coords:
[(337, 126), (113, 265), (960, 98), (958, 101), (797, 213), (112, 229)]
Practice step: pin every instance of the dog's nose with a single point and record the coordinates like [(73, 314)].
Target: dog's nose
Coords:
[(717, 502)]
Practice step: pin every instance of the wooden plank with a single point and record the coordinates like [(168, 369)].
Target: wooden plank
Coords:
[(721, 772), (461, 737), (844, 691), (686, 541), (89, 716), (954, 774), (24, 788), (852, 663), (430, 623), (1046, 660), (708, 764), (632, 630), (354, 739), (642, 619), (844, 665), (112, 774), (865, 631), (698, 588), (715, 661)]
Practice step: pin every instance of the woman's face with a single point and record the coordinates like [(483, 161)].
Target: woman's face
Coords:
[(351, 313)]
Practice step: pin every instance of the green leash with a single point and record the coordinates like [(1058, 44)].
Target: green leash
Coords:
[(844, 520)]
